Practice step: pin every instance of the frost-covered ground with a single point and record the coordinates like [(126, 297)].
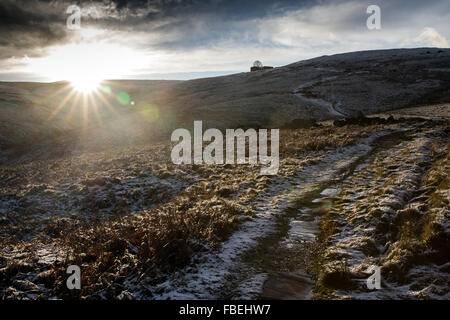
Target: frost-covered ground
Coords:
[(206, 280), (393, 213), (142, 228)]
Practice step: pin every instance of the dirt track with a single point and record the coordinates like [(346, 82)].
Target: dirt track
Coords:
[(281, 237)]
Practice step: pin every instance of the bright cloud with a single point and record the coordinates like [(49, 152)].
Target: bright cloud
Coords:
[(430, 37)]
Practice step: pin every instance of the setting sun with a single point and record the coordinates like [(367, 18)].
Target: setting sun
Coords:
[(85, 85), (85, 65)]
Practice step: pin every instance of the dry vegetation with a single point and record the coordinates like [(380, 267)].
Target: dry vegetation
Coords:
[(394, 214), (130, 218), (301, 140)]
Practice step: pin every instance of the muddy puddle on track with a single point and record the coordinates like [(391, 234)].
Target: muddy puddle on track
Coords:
[(285, 257)]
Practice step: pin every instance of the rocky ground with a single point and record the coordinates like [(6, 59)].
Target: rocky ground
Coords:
[(349, 195)]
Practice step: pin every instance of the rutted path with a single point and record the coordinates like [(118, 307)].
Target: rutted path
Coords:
[(389, 215), (300, 93), (297, 227), (229, 273), (269, 254)]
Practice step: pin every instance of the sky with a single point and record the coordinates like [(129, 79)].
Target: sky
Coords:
[(186, 39)]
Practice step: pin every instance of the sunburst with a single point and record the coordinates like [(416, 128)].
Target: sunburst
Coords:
[(85, 85)]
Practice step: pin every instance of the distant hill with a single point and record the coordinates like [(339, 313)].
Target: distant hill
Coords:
[(328, 87), (323, 88)]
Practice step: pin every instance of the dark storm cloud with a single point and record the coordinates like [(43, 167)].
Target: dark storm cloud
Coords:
[(185, 24), (234, 9), (28, 26)]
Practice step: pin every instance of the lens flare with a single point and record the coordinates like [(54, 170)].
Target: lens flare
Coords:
[(123, 98), (149, 112)]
